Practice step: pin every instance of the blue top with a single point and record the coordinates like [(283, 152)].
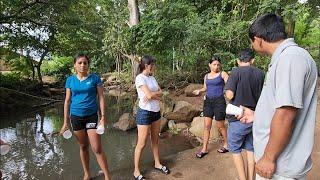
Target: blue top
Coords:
[(214, 86), (83, 94)]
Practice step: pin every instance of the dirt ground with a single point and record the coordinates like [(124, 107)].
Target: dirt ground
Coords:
[(215, 166)]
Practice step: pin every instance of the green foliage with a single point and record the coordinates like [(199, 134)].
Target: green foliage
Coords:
[(181, 34), (59, 67), (14, 80)]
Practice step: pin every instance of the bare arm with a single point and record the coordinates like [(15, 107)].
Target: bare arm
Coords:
[(229, 94), (151, 95), (101, 104), (224, 76), (203, 89), (66, 111)]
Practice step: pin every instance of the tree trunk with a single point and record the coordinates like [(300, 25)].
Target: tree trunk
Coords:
[(38, 66), (134, 12), (291, 25), (133, 20)]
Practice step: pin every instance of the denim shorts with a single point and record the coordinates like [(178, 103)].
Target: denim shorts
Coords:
[(145, 117), (84, 122), (240, 137)]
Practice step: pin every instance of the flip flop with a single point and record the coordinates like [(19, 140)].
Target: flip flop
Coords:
[(222, 150), (201, 154), (163, 169), (140, 177)]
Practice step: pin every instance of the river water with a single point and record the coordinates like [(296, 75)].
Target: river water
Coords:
[(38, 153)]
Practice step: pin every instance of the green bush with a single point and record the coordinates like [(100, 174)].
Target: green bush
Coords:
[(59, 67)]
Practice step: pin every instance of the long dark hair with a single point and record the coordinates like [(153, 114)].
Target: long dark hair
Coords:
[(215, 57), (146, 60)]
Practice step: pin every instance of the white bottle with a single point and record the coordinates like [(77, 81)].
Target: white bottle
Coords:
[(4, 149), (67, 134), (100, 129)]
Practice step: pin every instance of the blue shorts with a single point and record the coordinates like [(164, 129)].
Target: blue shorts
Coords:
[(240, 137), (145, 117)]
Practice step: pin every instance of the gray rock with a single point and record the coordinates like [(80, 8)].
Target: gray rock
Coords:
[(126, 122)]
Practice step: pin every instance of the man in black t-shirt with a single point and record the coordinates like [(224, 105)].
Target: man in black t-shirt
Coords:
[(243, 88)]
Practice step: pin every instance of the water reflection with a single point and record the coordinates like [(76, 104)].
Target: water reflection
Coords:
[(38, 152)]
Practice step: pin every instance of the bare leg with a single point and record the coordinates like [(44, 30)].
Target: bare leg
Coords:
[(95, 142), (83, 142), (143, 131), (223, 130), (250, 160), (238, 162), (206, 133), (155, 130)]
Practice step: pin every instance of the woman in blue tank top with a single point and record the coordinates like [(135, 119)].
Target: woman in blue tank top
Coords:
[(214, 104)]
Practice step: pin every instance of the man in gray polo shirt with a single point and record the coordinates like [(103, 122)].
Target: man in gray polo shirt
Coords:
[(284, 119)]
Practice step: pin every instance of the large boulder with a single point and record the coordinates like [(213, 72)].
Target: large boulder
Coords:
[(197, 127), (190, 88), (182, 126), (183, 112), (166, 105), (126, 122)]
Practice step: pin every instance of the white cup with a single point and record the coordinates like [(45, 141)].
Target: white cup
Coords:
[(67, 134), (100, 129), (233, 110), (4, 149)]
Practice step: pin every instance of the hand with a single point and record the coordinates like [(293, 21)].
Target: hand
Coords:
[(265, 167), (64, 128), (247, 115), (196, 92)]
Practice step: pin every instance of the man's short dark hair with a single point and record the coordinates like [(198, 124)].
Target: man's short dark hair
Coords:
[(246, 55), (269, 27)]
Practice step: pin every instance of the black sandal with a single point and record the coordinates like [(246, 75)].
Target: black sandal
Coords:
[(222, 150), (163, 169), (140, 177), (201, 154)]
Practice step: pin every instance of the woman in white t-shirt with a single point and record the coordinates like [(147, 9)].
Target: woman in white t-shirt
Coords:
[(148, 115)]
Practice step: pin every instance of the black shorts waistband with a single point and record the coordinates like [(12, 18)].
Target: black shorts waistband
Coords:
[(214, 98)]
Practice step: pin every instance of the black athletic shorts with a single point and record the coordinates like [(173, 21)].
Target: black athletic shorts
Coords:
[(215, 107), (84, 122)]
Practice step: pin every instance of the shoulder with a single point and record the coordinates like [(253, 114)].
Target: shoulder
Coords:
[(224, 74), (258, 70), (293, 60), (94, 75), (71, 77), (234, 71), (139, 76)]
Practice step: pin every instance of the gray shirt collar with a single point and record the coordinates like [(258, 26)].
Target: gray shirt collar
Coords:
[(286, 43)]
